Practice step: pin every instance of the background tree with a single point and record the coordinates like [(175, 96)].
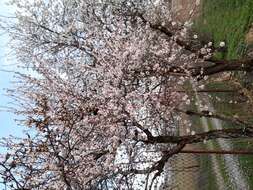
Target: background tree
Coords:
[(107, 93)]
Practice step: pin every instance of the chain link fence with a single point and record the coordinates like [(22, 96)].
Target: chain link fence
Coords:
[(198, 171)]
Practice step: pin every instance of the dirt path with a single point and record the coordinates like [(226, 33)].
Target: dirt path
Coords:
[(185, 10)]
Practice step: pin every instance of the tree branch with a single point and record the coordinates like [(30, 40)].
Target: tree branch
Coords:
[(223, 66), (169, 33), (209, 114), (210, 135)]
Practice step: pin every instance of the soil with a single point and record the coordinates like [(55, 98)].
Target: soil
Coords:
[(185, 10), (249, 36)]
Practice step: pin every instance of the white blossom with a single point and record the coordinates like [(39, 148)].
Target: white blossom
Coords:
[(222, 44)]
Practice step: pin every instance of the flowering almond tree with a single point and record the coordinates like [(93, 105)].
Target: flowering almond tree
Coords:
[(107, 95)]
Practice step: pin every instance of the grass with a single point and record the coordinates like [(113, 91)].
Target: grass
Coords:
[(226, 20)]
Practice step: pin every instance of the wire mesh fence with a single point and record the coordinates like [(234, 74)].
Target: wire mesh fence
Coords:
[(210, 171)]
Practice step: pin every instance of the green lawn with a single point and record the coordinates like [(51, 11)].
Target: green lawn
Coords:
[(226, 20)]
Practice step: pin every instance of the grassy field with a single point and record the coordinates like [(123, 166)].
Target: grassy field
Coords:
[(226, 20)]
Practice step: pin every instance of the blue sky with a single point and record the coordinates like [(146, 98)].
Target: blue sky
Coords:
[(7, 124)]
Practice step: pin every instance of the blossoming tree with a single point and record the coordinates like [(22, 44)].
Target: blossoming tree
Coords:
[(107, 93)]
